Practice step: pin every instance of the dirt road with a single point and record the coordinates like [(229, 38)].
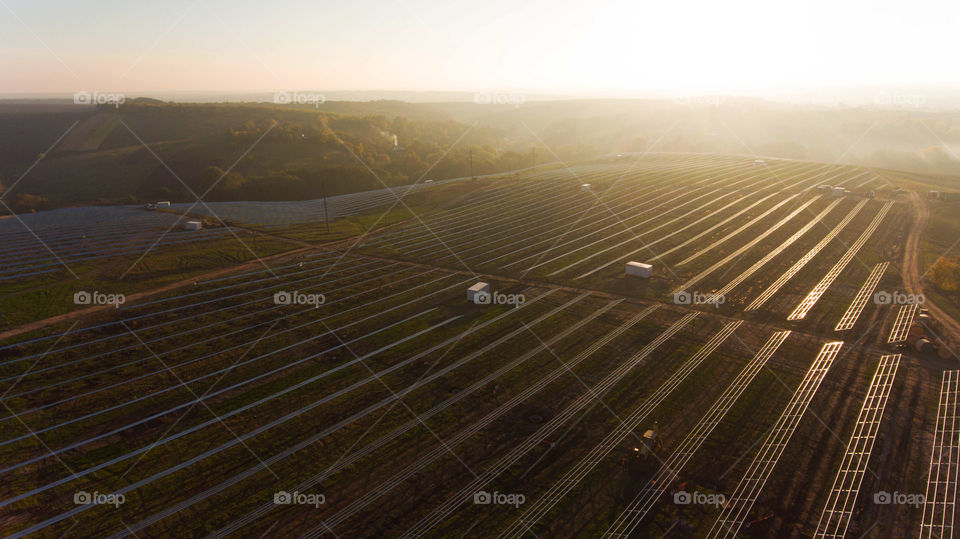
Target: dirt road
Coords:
[(130, 298), (913, 277)]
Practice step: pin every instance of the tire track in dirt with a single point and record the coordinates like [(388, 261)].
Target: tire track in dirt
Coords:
[(913, 279)]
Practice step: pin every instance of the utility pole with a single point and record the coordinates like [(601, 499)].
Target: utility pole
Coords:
[(326, 216)]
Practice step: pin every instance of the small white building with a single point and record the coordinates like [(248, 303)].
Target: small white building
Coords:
[(639, 269), (934, 194), (585, 187), (837, 192), (193, 225), (479, 288)]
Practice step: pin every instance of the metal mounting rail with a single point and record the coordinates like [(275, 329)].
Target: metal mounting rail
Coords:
[(737, 510), (799, 264), (814, 296), (744, 248), (835, 518), (559, 490), (901, 326), (747, 273), (849, 318), (581, 403), (940, 503), (647, 498)]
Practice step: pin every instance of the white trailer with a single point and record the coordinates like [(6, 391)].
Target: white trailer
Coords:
[(193, 225), (639, 269), (477, 289)]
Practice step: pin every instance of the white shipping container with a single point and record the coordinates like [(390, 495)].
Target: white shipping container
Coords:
[(193, 225), (479, 288), (639, 269)]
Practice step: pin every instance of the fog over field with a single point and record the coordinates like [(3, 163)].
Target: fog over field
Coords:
[(479, 269)]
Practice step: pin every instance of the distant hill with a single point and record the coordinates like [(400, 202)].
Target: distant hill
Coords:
[(147, 149)]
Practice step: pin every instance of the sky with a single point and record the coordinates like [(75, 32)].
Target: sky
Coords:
[(557, 47)]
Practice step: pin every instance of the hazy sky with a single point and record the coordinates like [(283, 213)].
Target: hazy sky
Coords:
[(551, 47)]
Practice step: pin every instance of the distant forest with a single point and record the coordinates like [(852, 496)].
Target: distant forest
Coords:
[(147, 149)]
